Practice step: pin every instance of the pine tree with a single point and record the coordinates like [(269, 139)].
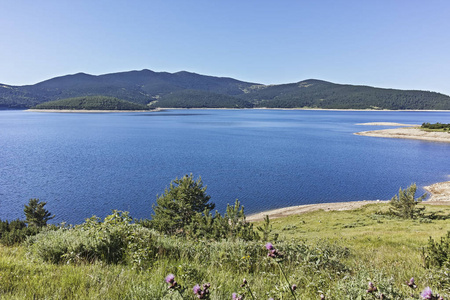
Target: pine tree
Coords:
[(36, 214), (404, 205), (175, 209)]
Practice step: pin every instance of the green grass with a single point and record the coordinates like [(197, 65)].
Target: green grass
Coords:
[(336, 253)]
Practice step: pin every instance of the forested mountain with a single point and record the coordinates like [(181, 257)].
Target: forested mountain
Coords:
[(190, 90), (321, 94), (92, 103)]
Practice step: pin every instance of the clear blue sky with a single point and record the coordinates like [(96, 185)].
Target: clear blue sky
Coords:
[(386, 43)]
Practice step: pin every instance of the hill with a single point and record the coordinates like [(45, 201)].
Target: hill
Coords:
[(321, 94), (190, 90), (91, 103)]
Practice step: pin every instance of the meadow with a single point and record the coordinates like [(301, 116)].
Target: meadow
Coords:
[(326, 255)]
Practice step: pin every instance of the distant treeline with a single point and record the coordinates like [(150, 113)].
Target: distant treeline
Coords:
[(92, 103), (436, 126)]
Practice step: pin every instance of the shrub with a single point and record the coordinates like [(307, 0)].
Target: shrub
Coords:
[(437, 254), (115, 240), (404, 205), (15, 232)]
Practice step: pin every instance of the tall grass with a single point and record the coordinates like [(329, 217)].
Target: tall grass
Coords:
[(330, 253)]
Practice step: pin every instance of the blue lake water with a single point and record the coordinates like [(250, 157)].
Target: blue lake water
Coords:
[(87, 164)]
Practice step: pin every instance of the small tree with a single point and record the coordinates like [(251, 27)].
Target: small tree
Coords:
[(175, 209), (36, 214), (404, 204)]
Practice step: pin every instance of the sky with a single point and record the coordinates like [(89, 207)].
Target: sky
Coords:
[(402, 44)]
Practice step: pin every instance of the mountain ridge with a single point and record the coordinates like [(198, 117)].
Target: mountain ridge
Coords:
[(190, 90)]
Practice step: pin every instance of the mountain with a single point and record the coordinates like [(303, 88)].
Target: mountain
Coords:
[(190, 90)]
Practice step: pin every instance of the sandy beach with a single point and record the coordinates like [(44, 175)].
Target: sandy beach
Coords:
[(414, 133), (439, 194)]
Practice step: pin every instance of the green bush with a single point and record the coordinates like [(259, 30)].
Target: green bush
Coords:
[(437, 254), (404, 205), (15, 232), (115, 240)]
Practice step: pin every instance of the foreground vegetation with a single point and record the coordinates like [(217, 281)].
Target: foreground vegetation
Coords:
[(369, 253)]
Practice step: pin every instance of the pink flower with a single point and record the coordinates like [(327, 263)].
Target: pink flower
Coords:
[(427, 293), (197, 289), (170, 278), (269, 246)]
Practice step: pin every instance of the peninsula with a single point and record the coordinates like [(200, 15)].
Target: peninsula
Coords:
[(409, 131)]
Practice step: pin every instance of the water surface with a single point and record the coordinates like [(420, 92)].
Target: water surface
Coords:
[(87, 164)]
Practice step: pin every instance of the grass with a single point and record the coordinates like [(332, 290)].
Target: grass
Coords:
[(341, 252)]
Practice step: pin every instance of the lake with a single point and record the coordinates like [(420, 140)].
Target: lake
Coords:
[(85, 164)]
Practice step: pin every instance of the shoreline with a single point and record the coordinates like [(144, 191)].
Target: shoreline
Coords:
[(440, 195), (88, 110), (308, 108), (413, 133), (407, 131), (245, 108)]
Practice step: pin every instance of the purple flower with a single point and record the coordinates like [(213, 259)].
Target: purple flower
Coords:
[(235, 296), (294, 287), (411, 283), (170, 278), (197, 289), (427, 293), (372, 288), (269, 246)]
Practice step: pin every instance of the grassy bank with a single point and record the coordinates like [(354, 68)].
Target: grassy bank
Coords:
[(333, 253)]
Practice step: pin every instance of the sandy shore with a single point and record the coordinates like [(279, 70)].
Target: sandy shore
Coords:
[(88, 110), (301, 209), (439, 192), (386, 124), (409, 133)]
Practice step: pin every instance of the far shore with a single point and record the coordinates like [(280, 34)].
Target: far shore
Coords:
[(440, 195), (224, 108), (89, 110)]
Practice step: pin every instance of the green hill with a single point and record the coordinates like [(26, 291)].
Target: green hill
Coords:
[(91, 103), (321, 94), (190, 90), (199, 99)]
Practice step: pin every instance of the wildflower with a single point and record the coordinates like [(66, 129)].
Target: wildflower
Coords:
[(235, 296), (269, 246), (170, 278), (272, 251), (411, 283), (244, 282), (372, 288), (427, 293), (202, 293), (322, 297), (196, 289), (294, 287)]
